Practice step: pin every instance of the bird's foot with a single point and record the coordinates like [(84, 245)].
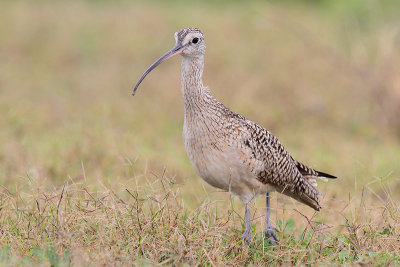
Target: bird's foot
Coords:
[(246, 236), (270, 233)]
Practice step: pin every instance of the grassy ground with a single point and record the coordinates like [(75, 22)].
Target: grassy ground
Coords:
[(91, 175)]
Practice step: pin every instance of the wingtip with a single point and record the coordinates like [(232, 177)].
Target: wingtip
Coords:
[(327, 175)]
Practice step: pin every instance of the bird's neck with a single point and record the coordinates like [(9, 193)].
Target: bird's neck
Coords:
[(197, 99), (192, 84)]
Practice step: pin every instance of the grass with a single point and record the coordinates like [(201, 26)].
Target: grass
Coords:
[(152, 224), (90, 175)]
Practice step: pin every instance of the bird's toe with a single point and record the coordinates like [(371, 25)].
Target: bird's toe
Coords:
[(270, 233), (246, 236)]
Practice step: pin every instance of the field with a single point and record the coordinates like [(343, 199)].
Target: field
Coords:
[(90, 175)]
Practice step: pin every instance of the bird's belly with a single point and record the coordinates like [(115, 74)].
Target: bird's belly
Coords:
[(213, 167), (220, 165)]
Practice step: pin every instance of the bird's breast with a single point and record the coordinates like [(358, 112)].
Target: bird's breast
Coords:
[(205, 152), (217, 159)]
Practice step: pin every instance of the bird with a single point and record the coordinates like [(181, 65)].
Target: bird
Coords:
[(229, 151)]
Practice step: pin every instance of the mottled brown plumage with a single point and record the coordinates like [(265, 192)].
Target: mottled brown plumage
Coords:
[(229, 151)]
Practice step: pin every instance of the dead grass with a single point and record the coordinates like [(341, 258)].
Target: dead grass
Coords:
[(82, 163), (117, 225)]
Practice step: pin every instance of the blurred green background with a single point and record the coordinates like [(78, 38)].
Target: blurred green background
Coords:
[(323, 76)]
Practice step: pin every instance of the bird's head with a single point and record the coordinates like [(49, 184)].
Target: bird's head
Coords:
[(192, 42), (189, 43)]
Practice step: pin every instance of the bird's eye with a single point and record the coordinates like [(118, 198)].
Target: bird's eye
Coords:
[(195, 40)]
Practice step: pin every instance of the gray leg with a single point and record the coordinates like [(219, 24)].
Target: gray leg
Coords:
[(269, 229), (247, 231)]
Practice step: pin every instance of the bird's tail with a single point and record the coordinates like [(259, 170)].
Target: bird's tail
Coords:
[(311, 174)]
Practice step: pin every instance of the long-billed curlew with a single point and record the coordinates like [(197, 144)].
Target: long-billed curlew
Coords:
[(229, 151)]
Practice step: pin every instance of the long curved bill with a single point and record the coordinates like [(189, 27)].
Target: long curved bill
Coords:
[(178, 48)]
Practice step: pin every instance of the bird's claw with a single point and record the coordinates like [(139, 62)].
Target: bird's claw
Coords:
[(246, 236), (270, 233)]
